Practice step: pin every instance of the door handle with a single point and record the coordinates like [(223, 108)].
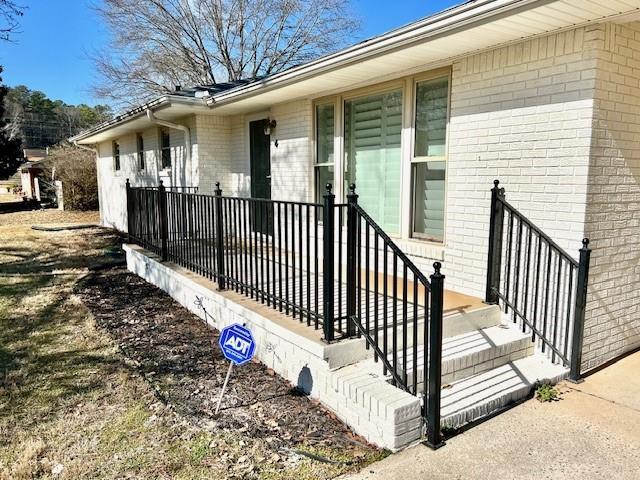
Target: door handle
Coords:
[(268, 177)]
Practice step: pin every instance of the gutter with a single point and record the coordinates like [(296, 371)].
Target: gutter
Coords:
[(187, 134), (448, 21)]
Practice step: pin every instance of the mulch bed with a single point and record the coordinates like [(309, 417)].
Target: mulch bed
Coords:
[(180, 357)]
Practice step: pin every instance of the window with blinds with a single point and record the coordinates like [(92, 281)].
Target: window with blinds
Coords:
[(324, 168), (372, 127), (140, 145), (165, 148), (429, 161)]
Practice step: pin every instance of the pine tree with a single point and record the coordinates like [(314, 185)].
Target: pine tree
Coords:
[(10, 149)]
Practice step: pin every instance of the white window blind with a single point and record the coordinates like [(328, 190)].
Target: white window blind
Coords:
[(372, 155)]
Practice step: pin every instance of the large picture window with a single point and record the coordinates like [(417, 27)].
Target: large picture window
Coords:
[(324, 168), (429, 160), (372, 127)]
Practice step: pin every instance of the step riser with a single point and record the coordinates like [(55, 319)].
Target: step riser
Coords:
[(452, 325), (463, 367)]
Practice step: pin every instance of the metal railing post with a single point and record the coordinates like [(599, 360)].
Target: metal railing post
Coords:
[(579, 312), (494, 256), (352, 273), (432, 391), (129, 209), (162, 212), (219, 237), (328, 228)]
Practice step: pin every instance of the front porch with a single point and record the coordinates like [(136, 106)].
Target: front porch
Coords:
[(348, 317)]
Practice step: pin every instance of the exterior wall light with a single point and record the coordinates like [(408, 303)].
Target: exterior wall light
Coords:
[(269, 126)]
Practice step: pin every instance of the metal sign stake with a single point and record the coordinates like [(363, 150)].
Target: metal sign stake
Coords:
[(224, 386)]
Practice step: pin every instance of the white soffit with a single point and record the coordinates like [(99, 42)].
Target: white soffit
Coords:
[(423, 47)]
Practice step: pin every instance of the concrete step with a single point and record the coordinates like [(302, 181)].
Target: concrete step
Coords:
[(473, 352), (454, 323), (480, 395)]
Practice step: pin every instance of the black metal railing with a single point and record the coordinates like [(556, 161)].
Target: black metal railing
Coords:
[(397, 310), (272, 251), (539, 285), (328, 265)]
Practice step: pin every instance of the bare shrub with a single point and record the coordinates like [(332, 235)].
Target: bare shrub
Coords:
[(76, 168)]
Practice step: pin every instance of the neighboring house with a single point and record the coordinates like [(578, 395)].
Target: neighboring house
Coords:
[(30, 171), (543, 95)]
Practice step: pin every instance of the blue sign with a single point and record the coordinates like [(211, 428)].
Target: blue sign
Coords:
[(237, 344)]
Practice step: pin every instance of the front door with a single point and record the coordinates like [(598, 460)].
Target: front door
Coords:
[(260, 159)]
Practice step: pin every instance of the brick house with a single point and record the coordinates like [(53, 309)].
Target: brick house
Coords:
[(543, 95)]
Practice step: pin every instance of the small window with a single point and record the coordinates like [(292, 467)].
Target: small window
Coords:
[(116, 155), (140, 144), (324, 148), (165, 148)]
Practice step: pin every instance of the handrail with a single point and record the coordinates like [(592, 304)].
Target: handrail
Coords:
[(542, 285), (415, 270), (537, 230)]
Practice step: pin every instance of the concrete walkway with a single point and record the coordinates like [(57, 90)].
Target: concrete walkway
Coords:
[(592, 432)]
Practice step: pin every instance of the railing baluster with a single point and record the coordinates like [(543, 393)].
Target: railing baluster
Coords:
[(385, 311), (376, 300), (404, 322), (308, 214), (219, 237), (315, 263), (301, 258)]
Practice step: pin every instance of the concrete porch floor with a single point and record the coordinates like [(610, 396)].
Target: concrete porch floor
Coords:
[(592, 432)]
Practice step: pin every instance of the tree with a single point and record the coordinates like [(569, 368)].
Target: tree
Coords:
[(158, 44), (10, 148), (10, 11), (42, 122)]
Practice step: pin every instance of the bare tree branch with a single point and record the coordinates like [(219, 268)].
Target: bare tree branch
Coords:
[(10, 12), (157, 44)]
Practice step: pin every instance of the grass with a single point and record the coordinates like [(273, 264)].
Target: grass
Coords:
[(547, 393), (72, 406)]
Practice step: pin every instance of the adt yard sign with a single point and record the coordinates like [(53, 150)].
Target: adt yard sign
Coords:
[(237, 344)]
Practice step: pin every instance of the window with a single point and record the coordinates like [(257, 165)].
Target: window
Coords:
[(165, 148), (429, 159), (115, 147), (324, 167), (373, 128), (140, 144)]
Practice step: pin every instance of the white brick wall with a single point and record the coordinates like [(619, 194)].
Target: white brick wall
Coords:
[(111, 183), (291, 160), (224, 153), (613, 199), (521, 114)]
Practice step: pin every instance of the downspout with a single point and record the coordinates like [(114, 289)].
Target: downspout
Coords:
[(187, 137)]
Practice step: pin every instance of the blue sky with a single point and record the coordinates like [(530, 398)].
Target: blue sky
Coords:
[(51, 53)]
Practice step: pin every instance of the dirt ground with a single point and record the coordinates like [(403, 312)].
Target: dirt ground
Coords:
[(104, 376)]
